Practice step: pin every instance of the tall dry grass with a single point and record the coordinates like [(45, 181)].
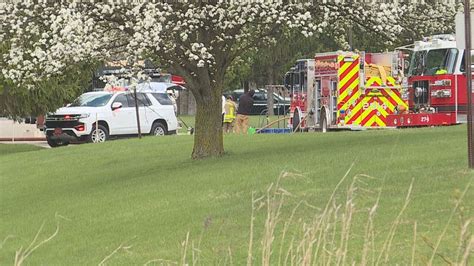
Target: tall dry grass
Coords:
[(23, 253), (327, 237)]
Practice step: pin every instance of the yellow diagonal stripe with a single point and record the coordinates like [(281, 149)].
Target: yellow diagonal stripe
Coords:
[(397, 99), (369, 122), (366, 113), (346, 92), (380, 122), (375, 119), (343, 68), (381, 110), (378, 108), (391, 80), (387, 102), (358, 107), (346, 65), (354, 71), (372, 80), (348, 104)]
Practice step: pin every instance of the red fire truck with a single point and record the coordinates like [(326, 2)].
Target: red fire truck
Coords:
[(345, 90), (436, 84)]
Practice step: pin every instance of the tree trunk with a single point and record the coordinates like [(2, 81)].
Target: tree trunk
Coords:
[(246, 86), (207, 91), (208, 137)]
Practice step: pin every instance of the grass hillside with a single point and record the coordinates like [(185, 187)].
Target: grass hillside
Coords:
[(133, 201), (7, 149)]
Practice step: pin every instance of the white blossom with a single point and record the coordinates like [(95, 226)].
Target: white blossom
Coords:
[(45, 38)]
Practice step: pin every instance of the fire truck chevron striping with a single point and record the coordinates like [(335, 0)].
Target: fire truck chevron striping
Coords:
[(345, 90), (379, 103), (364, 90), (348, 85)]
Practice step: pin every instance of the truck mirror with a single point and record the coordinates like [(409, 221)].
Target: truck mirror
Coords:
[(116, 105)]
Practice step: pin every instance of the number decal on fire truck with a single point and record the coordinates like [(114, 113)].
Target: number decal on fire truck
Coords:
[(425, 119), (374, 105)]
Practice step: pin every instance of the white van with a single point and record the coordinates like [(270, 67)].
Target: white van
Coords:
[(114, 113)]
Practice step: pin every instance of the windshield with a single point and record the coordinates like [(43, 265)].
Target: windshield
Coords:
[(433, 62), (92, 100)]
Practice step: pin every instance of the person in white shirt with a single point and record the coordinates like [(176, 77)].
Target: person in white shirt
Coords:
[(223, 109), (173, 97)]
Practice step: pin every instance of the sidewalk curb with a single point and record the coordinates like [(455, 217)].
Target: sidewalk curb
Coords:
[(23, 139)]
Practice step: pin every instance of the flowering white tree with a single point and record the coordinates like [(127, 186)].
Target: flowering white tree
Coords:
[(198, 40)]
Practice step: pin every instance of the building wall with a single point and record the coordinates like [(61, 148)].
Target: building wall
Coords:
[(11, 130)]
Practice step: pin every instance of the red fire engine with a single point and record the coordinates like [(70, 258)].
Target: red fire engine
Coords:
[(345, 90), (436, 84)]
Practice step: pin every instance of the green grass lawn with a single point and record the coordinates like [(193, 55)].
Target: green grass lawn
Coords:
[(147, 195), (256, 121), (7, 149)]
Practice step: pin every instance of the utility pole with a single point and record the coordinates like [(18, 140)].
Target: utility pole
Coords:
[(137, 112), (467, 56)]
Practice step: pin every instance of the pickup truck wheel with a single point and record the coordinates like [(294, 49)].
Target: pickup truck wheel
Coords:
[(53, 143), (99, 135), (158, 129)]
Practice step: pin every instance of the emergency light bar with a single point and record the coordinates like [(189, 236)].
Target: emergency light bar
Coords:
[(436, 41)]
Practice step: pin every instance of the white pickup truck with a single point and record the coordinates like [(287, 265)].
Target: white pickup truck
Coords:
[(114, 114)]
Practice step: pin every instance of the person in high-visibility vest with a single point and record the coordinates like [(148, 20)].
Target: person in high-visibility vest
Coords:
[(441, 71), (229, 116)]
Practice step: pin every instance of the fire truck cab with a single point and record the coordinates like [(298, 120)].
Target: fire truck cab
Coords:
[(436, 84), (349, 90)]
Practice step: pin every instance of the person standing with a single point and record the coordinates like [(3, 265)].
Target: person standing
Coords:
[(229, 117), (243, 112), (173, 97), (223, 109)]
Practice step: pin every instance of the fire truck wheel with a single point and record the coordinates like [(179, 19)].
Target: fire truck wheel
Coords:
[(296, 121), (324, 123)]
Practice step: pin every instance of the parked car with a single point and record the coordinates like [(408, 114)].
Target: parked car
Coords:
[(280, 104), (97, 116)]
